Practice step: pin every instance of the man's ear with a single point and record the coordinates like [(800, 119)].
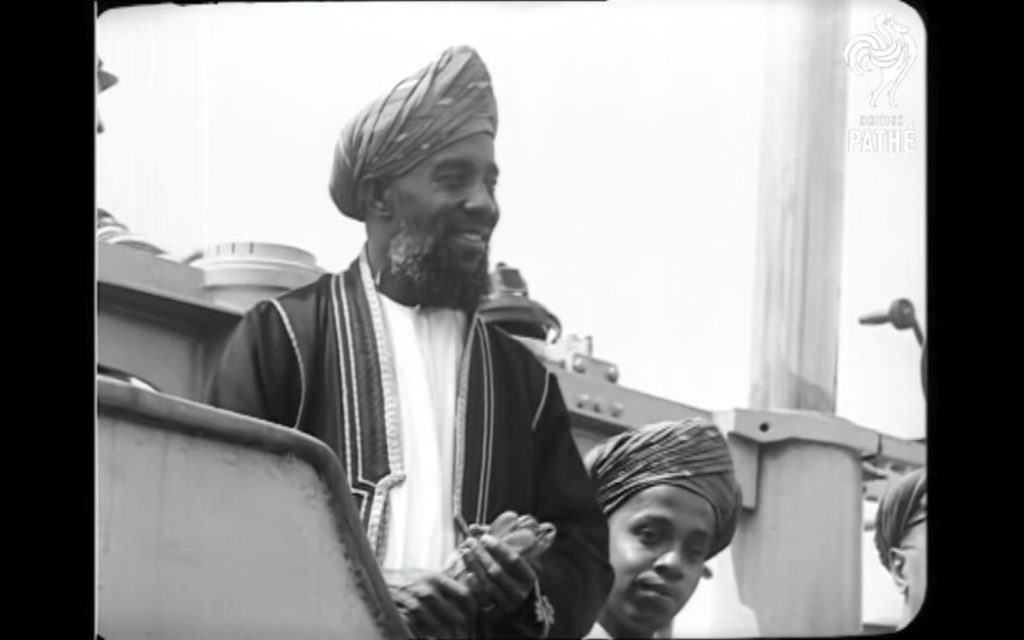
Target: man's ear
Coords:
[(374, 198), (898, 569)]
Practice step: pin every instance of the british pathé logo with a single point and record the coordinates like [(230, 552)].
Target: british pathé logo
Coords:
[(889, 50), (882, 134)]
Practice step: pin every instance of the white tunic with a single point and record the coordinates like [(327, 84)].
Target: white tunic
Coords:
[(426, 347)]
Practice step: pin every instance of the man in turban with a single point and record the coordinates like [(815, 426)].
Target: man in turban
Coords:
[(672, 501), (438, 418), (901, 532)]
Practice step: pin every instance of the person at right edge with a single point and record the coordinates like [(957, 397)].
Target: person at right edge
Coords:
[(901, 537)]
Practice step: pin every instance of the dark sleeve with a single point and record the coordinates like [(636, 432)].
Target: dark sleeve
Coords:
[(575, 576), (257, 374)]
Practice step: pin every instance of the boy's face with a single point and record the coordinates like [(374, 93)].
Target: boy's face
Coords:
[(659, 541)]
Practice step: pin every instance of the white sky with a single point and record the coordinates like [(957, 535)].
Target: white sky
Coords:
[(628, 142)]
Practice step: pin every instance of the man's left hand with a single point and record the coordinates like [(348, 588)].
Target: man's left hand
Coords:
[(499, 576)]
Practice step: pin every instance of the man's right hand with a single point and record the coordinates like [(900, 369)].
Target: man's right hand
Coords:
[(432, 604)]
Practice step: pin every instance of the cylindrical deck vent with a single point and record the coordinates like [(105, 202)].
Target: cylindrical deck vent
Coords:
[(243, 273)]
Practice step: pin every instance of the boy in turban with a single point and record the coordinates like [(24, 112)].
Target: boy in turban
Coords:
[(672, 502)]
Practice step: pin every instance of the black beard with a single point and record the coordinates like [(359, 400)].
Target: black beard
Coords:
[(419, 258)]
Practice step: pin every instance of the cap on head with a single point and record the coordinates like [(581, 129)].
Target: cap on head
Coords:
[(903, 506)]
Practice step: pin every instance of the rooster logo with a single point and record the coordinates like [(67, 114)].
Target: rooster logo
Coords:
[(889, 49)]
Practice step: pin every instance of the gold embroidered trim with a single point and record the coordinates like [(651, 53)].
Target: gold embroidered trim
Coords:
[(353, 468), (543, 401), (392, 425), (298, 357), (460, 420), (488, 426)]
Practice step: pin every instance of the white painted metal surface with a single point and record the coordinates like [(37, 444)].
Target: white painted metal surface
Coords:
[(205, 538)]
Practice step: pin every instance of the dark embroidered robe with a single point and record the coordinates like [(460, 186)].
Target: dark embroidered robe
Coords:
[(318, 359)]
